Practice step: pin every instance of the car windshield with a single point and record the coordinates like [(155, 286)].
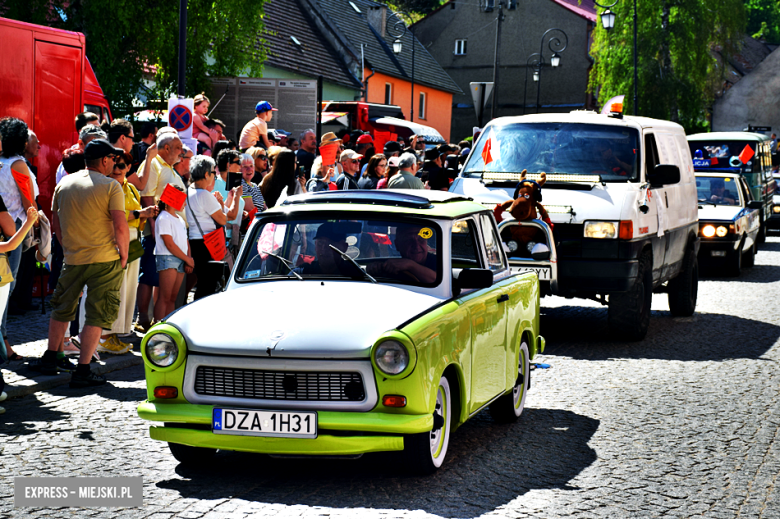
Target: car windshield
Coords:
[(718, 190), (724, 156), (569, 148), (366, 249)]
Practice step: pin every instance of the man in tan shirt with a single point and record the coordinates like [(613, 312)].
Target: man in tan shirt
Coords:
[(88, 215)]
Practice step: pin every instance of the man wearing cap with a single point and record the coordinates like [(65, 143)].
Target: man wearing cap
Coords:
[(392, 149), (405, 178), (350, 162), (255, 132), (88, 214)]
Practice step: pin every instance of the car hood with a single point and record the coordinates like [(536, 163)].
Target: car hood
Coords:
[(719, 212), (298, 319)]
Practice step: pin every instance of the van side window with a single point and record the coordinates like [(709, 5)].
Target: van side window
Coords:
[(465, 247), (651, 153)]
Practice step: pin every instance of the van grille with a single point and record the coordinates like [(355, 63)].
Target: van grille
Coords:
[(280, 385)]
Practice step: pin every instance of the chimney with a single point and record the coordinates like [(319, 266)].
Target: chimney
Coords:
[(377, 17)]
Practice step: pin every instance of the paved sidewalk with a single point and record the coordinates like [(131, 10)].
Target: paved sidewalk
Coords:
[(28, 335)]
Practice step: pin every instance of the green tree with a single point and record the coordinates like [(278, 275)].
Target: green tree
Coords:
[(129, 41), (763, 19), (677, 68)]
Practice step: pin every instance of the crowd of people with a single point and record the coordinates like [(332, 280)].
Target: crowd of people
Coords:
[(122, 255)]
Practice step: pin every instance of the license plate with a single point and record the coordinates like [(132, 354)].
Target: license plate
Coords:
[(543, 273), (718, 253), (252, 422)]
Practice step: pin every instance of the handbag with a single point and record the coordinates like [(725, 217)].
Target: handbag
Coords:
[(6, 275), (214, 241), (134, 251)]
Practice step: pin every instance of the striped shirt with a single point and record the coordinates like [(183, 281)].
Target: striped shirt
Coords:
[(253, 190)]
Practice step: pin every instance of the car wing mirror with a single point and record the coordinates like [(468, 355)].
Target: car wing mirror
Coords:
[(755, 204), (540, 252), (221, 272), (664, 174), (471, 278)]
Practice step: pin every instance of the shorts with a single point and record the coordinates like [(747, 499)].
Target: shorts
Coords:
[(103, 282), (148, 264), (169, 261)]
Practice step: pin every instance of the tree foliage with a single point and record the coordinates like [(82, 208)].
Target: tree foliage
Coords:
[(131, 41), (677, 69), (763, 19)]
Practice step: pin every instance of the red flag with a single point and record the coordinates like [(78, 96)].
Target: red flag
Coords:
[(23, 181), (486, 155), (714, 161), (173, 197), (746, 154)]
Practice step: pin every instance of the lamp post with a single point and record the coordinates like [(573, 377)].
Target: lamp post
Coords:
[(556, 46), (533, 60), (397, 29), (608, 21)]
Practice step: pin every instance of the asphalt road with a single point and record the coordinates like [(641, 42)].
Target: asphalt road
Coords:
[(683, 424)]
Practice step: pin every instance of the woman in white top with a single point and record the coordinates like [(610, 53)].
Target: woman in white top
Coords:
[(14, 135), (172, 256), (205, 210)]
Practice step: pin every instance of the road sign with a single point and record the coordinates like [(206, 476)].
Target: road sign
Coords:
[(480, 92), (180, 117)]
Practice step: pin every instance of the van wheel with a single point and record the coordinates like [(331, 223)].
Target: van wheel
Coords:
[(509, 407), (629, 312), (425, 452), (734, 266), (749, 256), (683, 290)]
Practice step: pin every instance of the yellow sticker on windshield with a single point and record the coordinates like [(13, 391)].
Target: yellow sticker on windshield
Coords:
[(727, 179), (425, 233)]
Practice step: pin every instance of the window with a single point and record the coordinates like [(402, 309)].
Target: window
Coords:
[(493, 250), (422, 106), (465, 248), (460, 47), (489, 5), (388, 93)]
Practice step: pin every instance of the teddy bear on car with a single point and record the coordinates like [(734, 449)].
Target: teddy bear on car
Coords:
[(527, 205)]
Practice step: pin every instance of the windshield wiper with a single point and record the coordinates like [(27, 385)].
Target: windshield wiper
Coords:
[(347, 257), (284, 261), (704, 200)]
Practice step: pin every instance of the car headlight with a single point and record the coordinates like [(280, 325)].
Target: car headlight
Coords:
[(721, 231), (161, 350), (708, 231), (776, 209), (603, 230), (391, 357)]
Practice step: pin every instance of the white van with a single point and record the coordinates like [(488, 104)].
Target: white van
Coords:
[(621, 194)]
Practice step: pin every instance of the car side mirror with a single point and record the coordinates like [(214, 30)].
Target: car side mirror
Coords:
[(755, 204), (471, 278), (664, 174), (540, 252), (221, 270)]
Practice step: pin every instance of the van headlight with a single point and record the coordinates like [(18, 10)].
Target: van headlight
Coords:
[(602, 230), (161, 350), (391, 357)]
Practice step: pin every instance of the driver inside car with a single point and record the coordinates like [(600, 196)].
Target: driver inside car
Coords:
[(416, 262), (609, 161), (719, 194)]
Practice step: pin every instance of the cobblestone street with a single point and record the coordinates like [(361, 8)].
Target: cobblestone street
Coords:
[(683, 424)]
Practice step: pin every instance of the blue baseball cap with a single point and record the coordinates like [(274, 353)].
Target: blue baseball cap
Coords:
[(265, 106)]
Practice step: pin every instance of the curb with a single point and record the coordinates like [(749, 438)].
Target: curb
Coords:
[(38, 382)]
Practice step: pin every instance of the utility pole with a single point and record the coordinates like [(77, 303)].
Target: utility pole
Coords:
[(636, 74), (182, 46), (494, 107)]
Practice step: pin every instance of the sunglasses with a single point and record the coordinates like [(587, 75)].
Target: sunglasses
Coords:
[(355, 161), (120, 166), (262, 157)]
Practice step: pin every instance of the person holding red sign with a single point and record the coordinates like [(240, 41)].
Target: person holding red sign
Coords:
[(205, 211), (172, 255)]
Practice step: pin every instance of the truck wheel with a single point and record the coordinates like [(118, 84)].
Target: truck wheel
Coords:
[(749, 256), (191, 456), (629, 312), (683, 289), (734, 266)]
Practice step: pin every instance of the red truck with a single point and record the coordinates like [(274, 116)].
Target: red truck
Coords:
[(47, 81)]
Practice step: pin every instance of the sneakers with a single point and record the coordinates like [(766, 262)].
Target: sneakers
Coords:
[(90, 380), (114, 346), (65, 364), (75, 342), (42, 367)]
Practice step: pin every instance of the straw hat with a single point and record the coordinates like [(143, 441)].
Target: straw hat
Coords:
[(329, 138)]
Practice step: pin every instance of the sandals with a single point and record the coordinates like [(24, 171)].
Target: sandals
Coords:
[(75, 342)]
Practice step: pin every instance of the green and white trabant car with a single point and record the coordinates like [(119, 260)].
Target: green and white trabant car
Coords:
[(352, 322)]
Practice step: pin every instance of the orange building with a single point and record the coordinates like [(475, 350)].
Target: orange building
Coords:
[(432, 106)]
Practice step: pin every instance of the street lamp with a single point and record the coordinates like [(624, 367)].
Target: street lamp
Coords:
[(397, 28), (556, 44), (608, 21)]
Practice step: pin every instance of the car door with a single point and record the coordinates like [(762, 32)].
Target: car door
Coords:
[(488, 315)]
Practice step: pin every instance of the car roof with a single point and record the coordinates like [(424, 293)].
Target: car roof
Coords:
[(413, 202), (589, 117), (728, 136)]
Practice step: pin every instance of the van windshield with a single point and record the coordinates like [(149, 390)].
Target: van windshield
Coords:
[(570, 148)]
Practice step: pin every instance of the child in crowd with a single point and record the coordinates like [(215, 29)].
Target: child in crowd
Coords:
[(200, 129), (170, 234)]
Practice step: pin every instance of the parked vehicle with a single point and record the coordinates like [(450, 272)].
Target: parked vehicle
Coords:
[(620, 192), (739, 153), (729, 221), (444, 331), (47, 81)]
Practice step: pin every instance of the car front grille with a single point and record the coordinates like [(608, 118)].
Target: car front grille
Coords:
[(279, 385)]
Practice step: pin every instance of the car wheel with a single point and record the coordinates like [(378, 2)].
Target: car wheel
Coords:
[(509, 407), (191, 456), (628, 313), (425, 452), (684, 289), (734, 266), (749, 256)]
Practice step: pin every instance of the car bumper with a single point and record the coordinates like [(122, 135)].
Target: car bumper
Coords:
[(710, 249), (600, 276), (339, 433)]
